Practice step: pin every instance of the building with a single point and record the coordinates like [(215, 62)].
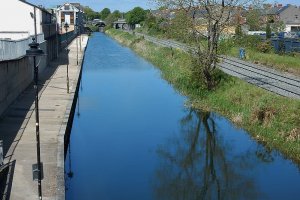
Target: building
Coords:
[(17, 23), (289, 15), (71, 13), (16, 19), (121, 24), (17, 29)]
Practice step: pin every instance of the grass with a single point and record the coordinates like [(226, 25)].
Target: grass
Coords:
[(271, 119), (284, 63), (93, 28)]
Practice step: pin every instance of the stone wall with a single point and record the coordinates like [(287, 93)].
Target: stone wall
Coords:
[(16, 75)]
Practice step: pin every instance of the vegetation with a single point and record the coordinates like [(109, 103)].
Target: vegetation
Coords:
[(268, 31), (238, 31), (135, 16), (253, 20), (111, 18), (93, 28), (278, 26), (271, 119), (261, 52), (203, 27), (90, 14), (105, 13)]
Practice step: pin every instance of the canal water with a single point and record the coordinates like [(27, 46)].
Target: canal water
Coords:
[(133, 139)]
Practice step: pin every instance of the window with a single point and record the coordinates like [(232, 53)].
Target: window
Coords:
[(62, 17), (72, 18)]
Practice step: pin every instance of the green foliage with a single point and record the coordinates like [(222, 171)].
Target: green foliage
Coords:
[(250, 41), (114, 16), (264, 47), (238, 30), (226, 45), (93, 28), (253, 20), (154, 25), (268, 31), (179, 27), (90, 13), (104, 13), (135, 16), (278, 26)]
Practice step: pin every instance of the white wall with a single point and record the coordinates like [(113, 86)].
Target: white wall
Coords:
[(288, 27), (15, 17), (14, 36)]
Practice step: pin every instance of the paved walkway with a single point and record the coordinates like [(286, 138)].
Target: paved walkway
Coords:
[(18, 127)]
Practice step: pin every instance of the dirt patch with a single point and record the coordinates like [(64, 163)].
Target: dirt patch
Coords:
[(294, 135), (263, 115)]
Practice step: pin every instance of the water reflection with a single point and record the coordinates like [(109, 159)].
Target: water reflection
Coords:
[(125, 111), (196, 165), (69, 174)]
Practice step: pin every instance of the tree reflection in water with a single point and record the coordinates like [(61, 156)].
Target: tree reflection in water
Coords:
[(198, 164)]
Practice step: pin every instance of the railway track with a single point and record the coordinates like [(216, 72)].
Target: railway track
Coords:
[(269, 79)]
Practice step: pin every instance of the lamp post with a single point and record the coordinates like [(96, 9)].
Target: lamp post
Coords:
[(80, 27), (80, 38), (76, 27), (66, 26), (35, 51)]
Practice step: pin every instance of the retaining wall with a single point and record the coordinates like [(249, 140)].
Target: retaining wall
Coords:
[(16, 75)]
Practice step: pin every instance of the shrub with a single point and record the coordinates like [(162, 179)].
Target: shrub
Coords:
[(248, 41), (264, 47)]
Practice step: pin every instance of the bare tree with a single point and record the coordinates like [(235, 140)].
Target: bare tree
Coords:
[(208, 19)]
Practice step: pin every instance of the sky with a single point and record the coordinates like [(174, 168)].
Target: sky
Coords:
[(98, 5), (123, 5)]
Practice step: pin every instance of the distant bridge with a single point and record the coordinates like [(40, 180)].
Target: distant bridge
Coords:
[(100, 24)]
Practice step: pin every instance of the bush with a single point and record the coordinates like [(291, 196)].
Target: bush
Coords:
[(264, 47), (226, 45), (268, 31), (250, 41), (94, 28)]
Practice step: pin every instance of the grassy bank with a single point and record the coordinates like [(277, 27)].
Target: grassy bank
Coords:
[(284, 63), (271, 119)]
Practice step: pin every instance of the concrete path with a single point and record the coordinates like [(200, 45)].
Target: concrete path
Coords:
[(17, 128), (272, 80)]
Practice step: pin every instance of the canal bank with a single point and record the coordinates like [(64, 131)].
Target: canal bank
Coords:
[(133, 138), (271, 119), (18, 128)]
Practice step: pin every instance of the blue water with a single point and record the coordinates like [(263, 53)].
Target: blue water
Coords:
[(133, 139)]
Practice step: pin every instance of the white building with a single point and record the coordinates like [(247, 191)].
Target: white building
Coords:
[(16, 21), (17, 28), (71, 13)]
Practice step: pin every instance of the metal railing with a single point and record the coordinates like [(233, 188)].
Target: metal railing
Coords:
[(14, 49)]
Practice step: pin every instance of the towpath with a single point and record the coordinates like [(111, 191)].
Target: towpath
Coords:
[(17, 128)]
